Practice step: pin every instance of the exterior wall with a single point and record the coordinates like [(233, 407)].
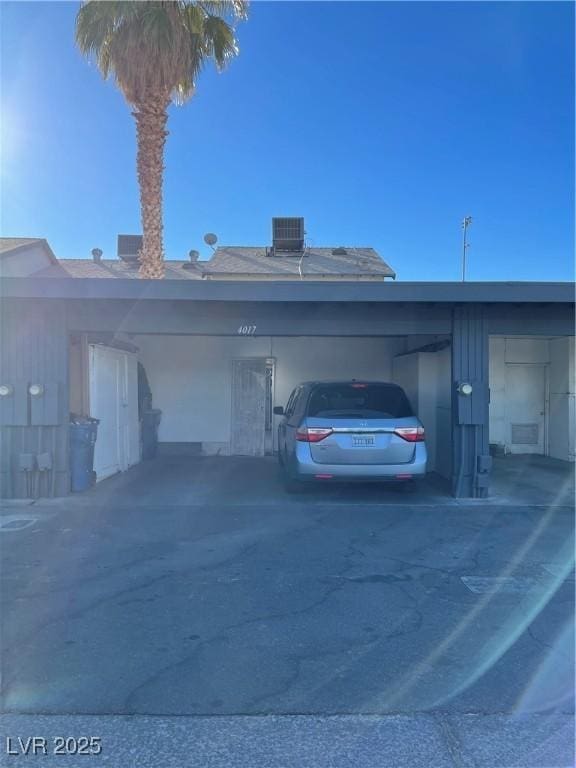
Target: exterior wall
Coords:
[(77, 377), (562, 390), (443, 457), (34, 350), (190, 376), (497, 390), (223, 318), (520, 319), (505, 350), (24, 262), (425, 377), (558, 355)]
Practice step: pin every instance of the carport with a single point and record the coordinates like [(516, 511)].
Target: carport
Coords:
[(199, 341)]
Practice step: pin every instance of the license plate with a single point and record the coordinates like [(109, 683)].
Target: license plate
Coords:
[(363, 442)]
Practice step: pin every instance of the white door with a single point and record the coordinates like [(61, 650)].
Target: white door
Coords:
[(114, 401), (525, 408), (248, 407)]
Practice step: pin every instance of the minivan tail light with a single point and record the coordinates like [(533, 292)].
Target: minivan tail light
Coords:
[(312, 434), (411, 434)]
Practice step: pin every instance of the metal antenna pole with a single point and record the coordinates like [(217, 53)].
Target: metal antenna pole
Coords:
[(465, 224)]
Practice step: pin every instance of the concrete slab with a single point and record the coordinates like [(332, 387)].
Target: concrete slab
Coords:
[(239, 481), (395, 741), (533, 479), (248, 481), (519, 741)]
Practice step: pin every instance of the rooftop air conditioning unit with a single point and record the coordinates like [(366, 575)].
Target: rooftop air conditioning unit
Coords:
[(129, 246), (288, 235)]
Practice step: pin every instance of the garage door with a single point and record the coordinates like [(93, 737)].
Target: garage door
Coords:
[(114, 401)]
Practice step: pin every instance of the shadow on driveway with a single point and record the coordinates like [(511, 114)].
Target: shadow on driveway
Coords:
[(235, 480)]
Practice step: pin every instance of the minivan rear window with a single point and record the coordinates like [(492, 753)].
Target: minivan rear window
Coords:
[(357, 400)]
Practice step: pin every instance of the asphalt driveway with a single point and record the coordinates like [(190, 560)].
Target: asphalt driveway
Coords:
[(159, 595)]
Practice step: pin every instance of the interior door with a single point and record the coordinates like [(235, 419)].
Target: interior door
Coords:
[(249, 386), (525, 408)]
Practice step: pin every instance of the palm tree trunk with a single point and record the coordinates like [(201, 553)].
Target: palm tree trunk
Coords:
[(151, 135)]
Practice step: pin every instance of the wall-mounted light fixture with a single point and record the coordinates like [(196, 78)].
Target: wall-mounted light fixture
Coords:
[(6, 390), (36, 390), (465, 389)]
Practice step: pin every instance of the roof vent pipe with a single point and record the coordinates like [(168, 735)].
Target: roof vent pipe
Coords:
[(97, 255), (193, 255)]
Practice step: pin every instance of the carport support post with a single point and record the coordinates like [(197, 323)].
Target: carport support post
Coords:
[(470, 412)]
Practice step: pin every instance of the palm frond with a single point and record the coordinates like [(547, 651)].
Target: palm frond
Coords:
[(232, 9), (220, 40), (158, 46)]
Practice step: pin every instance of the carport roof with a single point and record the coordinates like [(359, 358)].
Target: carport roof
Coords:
[(287, 291)]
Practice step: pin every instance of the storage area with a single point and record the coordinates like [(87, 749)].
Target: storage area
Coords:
[(103, 383), (532, 393)]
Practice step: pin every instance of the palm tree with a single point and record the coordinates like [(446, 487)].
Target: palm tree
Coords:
[(155, 50)]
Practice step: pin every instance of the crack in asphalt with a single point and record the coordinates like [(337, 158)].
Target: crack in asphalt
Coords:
[(222, 635), (18, 643), (355, 551), (129, 564)]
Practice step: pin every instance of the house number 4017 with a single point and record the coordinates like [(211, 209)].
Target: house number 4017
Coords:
[(247, 330)]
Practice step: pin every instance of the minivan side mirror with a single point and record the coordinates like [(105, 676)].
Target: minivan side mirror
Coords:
[(278, 410)]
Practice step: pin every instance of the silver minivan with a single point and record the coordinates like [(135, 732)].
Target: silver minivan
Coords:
[(350, 430)]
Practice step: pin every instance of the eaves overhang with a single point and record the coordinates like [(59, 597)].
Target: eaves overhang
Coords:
[(270, 291)]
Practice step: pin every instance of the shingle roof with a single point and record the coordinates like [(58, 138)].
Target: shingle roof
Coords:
[(111, 268), (236, 260), (11, 244)]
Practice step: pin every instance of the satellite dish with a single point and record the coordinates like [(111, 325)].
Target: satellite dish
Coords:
[(210, 239)]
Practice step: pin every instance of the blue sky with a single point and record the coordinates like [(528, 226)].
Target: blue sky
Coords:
[(382, 123)]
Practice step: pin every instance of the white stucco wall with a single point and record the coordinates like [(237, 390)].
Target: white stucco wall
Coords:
[(425, 377), (558, 356), (562, 398), (190, 376), (444, 412)]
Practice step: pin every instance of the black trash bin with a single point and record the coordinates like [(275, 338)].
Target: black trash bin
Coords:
[(83, 431), (150, 424)]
